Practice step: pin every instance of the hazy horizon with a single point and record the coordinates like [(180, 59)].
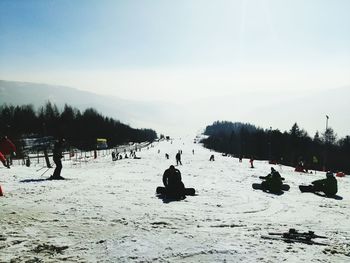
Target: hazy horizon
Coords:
[(187, 53)]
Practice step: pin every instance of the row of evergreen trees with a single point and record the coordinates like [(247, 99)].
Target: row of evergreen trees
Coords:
[(320, 152), (80, 129)]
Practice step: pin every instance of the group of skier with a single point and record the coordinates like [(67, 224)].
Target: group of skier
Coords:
[(273, 183), (174, 186)]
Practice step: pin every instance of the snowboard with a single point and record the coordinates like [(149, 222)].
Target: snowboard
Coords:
[(306, 188), (285, 187), (162, 191), (295, 240)]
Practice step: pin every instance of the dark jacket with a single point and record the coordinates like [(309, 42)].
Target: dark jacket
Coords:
[(329, 185), (171, 177), (57, 151), (273, 181)]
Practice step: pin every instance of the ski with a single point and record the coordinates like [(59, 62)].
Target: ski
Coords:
[(295, 240)]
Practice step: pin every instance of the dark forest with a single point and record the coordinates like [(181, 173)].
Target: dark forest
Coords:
[(79, 129), (322, 152)]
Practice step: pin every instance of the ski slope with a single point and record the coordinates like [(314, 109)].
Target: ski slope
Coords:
[(108, 212)]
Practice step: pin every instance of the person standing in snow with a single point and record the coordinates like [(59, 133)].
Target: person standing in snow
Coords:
[(3, 160), (7, 148), (57, 156), (251, 162), (178, 158), (172, 182)]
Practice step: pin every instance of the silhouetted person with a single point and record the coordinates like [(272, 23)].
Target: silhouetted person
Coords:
[(329, 186), (172, 182), (114, 157), (178, 158), (28, 162), (167, 156), (273, 181), (251, 162), (57, 156), (211, 158)]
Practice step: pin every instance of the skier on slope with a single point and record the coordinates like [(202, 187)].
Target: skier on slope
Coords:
[(172, 182), (57, 156), (7, 148), (3, 160), (178, 158)]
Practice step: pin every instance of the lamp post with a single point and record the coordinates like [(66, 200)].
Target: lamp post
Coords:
[(270, 145), (326, 143)]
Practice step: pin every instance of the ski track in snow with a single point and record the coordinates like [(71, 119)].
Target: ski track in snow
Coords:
[(108, 212)]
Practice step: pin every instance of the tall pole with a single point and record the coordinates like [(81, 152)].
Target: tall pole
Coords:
[(270, 157), (326, 145)]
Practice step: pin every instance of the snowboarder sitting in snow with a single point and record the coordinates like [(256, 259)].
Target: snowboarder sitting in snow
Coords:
[(57, 156), (172, 182), (329, 185), (273, 181)]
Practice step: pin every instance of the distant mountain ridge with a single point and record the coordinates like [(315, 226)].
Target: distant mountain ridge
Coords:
[(130, 112), (264, 109)]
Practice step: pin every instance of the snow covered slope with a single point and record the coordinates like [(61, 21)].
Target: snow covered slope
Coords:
[(108, 212)]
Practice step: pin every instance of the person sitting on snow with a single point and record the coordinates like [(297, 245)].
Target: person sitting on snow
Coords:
[(329, 185), (172, 182), (273, 181)]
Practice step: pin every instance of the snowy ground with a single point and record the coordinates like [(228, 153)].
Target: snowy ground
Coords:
[(108, 212)]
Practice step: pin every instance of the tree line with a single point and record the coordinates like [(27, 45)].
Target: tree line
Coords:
[(80, 129), (322, 152)]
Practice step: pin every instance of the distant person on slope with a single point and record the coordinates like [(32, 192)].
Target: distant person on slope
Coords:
[(7, 148), (57, 156), (172, 182), (178, 158), (3, 160), (251, 162)]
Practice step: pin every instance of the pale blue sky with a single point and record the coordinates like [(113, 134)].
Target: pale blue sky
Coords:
[(144, 47)]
